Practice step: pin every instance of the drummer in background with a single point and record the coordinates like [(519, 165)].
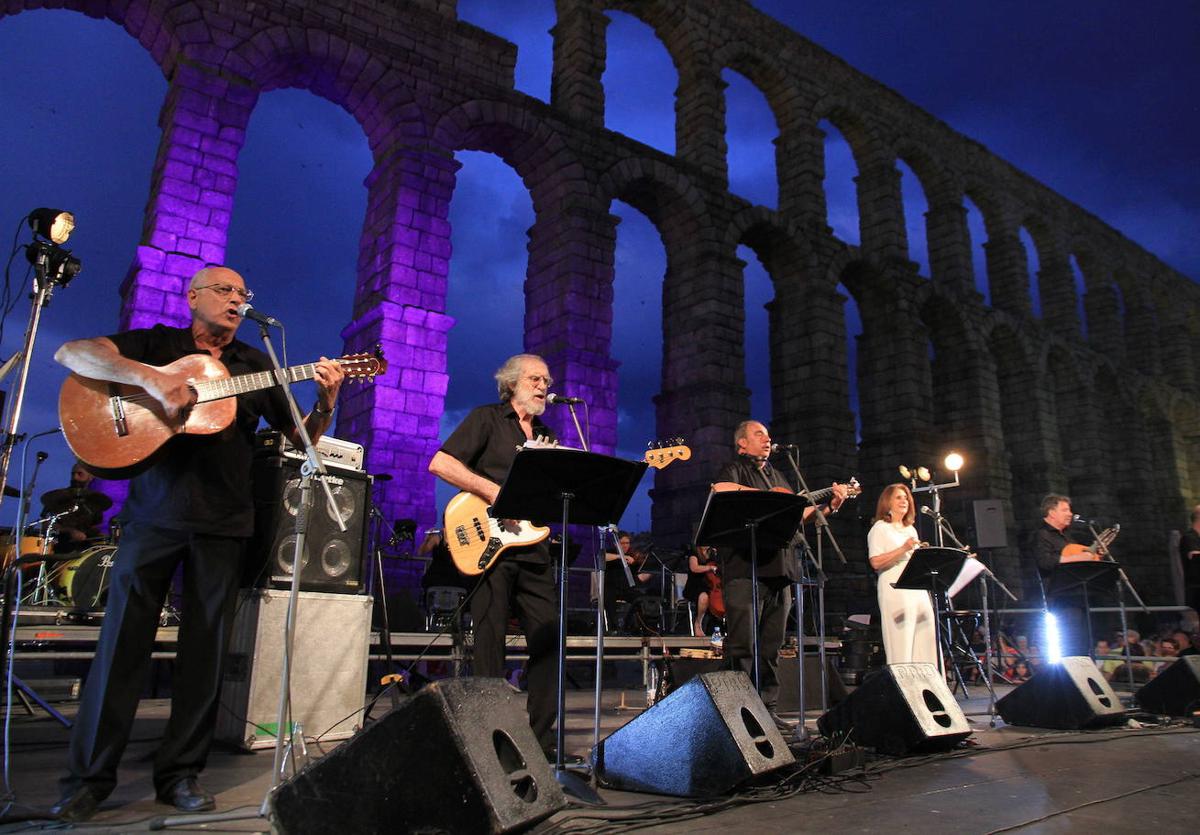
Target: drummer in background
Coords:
[(84, 508)]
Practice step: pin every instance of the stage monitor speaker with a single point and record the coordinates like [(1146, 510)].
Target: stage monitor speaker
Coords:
[(333, 559), (702, 740), (459, 756), (990, 530), (1070, 695), (1175, 691), (901, 709)]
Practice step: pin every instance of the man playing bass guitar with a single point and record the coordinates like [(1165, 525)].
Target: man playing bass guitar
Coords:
[(475, 458)]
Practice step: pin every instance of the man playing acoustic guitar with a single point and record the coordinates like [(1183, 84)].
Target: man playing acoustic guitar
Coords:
[(1052, 544), (191, 505), (476, 458)]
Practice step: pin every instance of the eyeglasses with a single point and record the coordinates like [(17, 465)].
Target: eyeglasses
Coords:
[(228, 290)]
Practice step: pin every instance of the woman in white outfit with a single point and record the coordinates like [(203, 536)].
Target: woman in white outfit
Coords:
[(908, 620)]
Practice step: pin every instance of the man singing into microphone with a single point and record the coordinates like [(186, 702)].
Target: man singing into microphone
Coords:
[(476, 458), (777, 570), (1048, 542), (191, 506)]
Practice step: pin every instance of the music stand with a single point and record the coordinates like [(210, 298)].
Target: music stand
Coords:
[(586, 488), (1069, 576), (933, 570), (747, 520)]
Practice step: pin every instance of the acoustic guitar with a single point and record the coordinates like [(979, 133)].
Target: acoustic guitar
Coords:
[(477, 539), (853, 488), (1084, 553), (114, 426)]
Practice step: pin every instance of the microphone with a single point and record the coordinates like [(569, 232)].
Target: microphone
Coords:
[(562, 398), (1079, 520), (782, 447), (42, 456), (247, 311), (927, 510)]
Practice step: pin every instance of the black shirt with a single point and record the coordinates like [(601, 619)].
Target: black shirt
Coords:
[(1190, 541), (486, 442), (772, 564), (201, 483)]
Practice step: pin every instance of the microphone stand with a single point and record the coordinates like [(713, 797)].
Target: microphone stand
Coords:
[(285, 733), (823, 531), (1122, 582)]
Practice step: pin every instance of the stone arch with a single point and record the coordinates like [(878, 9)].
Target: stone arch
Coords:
[(146, 21)]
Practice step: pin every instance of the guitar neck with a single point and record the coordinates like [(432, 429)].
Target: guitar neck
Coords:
[(207, 390)]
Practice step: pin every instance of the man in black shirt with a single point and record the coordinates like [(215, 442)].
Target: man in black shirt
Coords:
[(476, 458), (192, 506), (1189, 555), (1049, 540), (777, 570)]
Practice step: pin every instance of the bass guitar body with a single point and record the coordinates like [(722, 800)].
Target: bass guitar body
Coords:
[(476, 539)]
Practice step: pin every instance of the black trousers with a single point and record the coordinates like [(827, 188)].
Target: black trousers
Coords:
[(145, 564), (774, 602), (528, 588)]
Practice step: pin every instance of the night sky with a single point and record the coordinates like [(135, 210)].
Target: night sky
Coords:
[(1092, 98)]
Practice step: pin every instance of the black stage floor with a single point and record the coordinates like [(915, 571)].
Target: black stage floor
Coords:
[(1009, 779)]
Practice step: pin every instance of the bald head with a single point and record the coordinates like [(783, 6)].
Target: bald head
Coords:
[(216, 275)]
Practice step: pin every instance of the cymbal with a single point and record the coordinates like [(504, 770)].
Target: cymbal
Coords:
[(57, 501)]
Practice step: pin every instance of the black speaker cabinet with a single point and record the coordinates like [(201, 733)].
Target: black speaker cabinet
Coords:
[(459, 756), (1175, 691), (789, 683), (702, 740), (333, 559), (901, 709), (1069, 695), (990, 530)]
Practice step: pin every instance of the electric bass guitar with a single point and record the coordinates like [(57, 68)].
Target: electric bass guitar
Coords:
[(477, 539), (114, 426)]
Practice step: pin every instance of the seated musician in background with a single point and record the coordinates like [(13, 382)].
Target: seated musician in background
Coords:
[(1048, 543), (616, 585), (84, 508), (193, 506), (777, 569), (476, 458), (702, 569)]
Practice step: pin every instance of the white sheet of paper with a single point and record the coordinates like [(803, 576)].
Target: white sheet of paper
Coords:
[(970, 570)]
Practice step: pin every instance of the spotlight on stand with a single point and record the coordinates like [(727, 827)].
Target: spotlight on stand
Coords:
[(51, 228), (953, 462), (915, 474)]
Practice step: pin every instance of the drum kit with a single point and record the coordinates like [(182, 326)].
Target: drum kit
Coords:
[(73, 574)]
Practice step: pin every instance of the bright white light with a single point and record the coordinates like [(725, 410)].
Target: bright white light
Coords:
[(954, 462), (1053, 641)]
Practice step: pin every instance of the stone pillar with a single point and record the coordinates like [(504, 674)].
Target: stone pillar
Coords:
[(700, 122), (1008, 274), (1056, 283), (400, 305), (881, 211), (192, 187), (800, 167), (704, 395), (1105, 332), (1142, 332), (576, 87), (568, 315), (1177, 365), (949, 242)]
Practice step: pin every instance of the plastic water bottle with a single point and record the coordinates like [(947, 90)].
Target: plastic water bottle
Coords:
[(718, 642)]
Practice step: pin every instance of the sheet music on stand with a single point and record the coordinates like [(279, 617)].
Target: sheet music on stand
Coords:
[(970, 570)]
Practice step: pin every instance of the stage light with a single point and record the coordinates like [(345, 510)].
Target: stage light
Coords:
[(923, 474), (905, 472), (1053, 639), (53, 224), (954, 462)]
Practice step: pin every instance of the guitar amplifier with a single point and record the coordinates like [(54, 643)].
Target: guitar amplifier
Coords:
[(332, 450)]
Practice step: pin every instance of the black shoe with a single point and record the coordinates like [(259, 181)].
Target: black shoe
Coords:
[(77, 806), (568, 759), (187, 796)]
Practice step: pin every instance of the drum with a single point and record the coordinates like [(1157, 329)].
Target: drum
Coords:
[(28, 545), (82, 583)]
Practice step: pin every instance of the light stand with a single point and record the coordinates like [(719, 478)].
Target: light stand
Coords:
[(312, 464), (1122, 584)]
